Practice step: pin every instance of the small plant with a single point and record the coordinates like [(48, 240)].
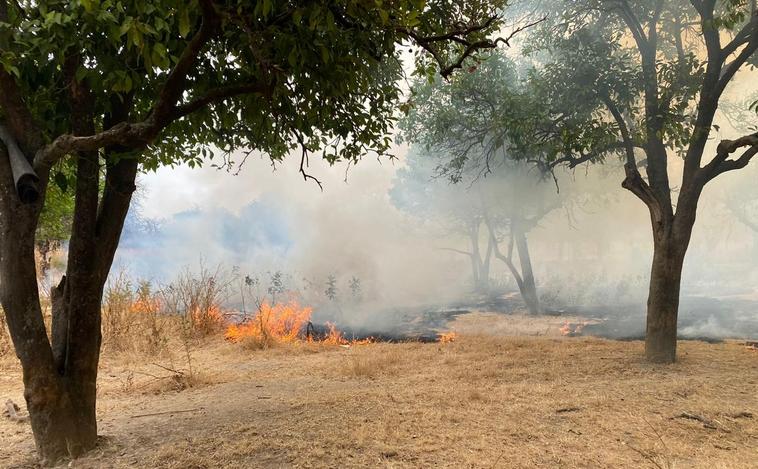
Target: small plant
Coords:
[(331, 288), (355, 289), (132, 320), (276, 286)]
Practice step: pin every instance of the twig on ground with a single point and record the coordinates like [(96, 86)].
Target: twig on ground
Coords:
[(167, 412), (567, 409), (707, 423)]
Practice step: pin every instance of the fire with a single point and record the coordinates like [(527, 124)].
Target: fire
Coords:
[(572, 329), (335, 337), (447, 337), (278, 323), (146, 305)]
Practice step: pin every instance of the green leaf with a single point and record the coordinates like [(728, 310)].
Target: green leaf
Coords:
[(184, 23)]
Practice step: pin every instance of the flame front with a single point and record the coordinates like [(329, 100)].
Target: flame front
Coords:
[(447, 337), (279, 323)]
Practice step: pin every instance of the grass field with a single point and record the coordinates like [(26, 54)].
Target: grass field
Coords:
[(480, 402)]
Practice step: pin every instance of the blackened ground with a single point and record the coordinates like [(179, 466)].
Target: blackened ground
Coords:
[(410, 326), (700, 318)]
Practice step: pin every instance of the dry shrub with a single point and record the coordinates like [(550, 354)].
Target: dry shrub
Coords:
[(132, 318), (197, 299)]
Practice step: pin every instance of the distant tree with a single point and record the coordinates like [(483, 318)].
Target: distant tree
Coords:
[(639, 80), (451, 209), (500, 208), (55, 221), (115, 87)]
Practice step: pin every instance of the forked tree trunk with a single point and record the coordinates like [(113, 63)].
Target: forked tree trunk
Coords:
[(60, 374)]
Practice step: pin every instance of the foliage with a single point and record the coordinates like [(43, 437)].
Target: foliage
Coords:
[(270, 76), (584, 80)]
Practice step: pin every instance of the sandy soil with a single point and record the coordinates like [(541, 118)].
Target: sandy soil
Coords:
[(478, 402)]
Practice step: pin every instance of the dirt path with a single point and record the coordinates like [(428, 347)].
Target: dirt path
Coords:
[(478, 402)]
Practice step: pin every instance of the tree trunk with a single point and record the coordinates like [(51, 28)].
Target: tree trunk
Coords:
[(55, 421), (60, 377), (671, 239), (663, 302), (527, 286)]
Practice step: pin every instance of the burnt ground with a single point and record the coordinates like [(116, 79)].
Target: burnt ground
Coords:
[(700, 318)]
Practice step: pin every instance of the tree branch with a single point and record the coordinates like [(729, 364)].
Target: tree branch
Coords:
[(460, 36), (163, 112), (721, 164), (219, 94), (175, 83)]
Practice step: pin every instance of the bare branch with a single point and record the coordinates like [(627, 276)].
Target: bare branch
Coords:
[(465, 253), (460, 36), (721, 162), (304, 163)]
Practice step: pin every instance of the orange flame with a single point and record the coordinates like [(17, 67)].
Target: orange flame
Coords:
[(572, 329), (145, 305), (280, 323), (447, 337)]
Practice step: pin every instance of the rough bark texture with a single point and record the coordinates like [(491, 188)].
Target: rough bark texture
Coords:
[(663, 303), (60, 374), (527, 286)]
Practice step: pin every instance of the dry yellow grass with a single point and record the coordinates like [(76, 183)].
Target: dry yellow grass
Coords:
[(478, 402)]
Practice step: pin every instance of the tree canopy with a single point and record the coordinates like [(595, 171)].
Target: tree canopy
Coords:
[(270, 76)]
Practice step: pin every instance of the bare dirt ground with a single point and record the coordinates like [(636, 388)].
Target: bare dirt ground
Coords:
[(489, 402)]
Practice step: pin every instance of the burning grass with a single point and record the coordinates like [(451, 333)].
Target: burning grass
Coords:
[(271, 325), (289, 323)]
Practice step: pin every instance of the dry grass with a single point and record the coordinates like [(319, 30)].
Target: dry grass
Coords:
[(477, 402), (381, 361)]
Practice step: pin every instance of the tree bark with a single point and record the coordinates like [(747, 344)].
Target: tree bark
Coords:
[(53, 418), (60, 373), (663, 302), (669, 249), (527, 285)]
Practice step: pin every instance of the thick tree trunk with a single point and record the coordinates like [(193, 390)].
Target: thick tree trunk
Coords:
[(670, 246), (663, 303), (60, 377), (54, 419), (527, 286)]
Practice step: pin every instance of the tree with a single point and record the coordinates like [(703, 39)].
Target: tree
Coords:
[(117, 87), (506, 205), (516, 201), (459, 120), (54, 223), (641, 80), (450, 209)]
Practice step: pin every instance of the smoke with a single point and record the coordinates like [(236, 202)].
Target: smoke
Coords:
[(591, 252)]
